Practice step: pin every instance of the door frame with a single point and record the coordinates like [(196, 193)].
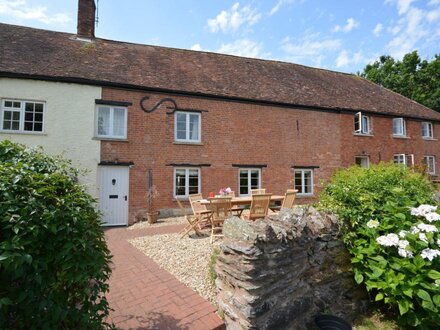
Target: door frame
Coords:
[(127, 167)]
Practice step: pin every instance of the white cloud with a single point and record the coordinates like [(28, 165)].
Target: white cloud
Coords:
[(243, 47), (19, 9), (196, 47), (403, 6), (233, 18), (433, 15), (378, 29), (434, 2), (351, 24), (344, 59), (278, 6), (310, 47)]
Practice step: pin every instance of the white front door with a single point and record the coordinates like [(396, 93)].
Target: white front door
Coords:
[(114, 195)]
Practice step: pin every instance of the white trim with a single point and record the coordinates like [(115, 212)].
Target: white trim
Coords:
[(22, 111), (402, 127), (405, 158), (111, 119), (431, 130), (427, 164), (359, 121), (363, 157), (303, 170), (249, 169), (187, 138), (186, 169)]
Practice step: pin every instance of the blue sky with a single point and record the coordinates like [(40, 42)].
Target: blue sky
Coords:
[(342, 35)]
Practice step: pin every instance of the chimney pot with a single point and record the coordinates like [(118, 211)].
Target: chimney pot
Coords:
[(86, 19)]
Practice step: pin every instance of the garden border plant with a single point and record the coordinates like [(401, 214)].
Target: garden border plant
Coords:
[(391, 229), (54, 262)]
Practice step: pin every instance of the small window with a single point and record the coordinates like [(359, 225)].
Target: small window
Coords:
[(304, 182), (429, 162), (363, 161), (249, 178), (362, 124), (407, 160), (187, 127), (186, 182), (427, 130), (399, 127), (111, 122), (22, 116)]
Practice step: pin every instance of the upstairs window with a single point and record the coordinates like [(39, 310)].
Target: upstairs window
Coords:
[(427, 130), (304, 182), (406, 160), (399, 127), (429, 162), (362, 124), (22, 116), (187, 127), (111, 122)]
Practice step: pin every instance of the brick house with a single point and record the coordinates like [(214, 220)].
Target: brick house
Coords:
[(188, 122)]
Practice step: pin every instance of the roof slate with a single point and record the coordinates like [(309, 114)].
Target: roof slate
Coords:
[(29, 51)]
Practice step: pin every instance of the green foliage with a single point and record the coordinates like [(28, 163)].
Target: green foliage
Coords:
[(416, 79), (54, 262), (377, 202), (211, 265)]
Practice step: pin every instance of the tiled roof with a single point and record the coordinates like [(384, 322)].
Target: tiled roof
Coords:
[(27, 51)]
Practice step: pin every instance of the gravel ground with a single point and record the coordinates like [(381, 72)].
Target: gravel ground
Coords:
[(185, 258), (159, 223)]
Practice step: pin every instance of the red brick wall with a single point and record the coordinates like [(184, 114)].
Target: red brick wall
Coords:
[(241, 133)]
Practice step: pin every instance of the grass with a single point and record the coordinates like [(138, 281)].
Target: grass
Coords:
[(211, 265), (375, 321)]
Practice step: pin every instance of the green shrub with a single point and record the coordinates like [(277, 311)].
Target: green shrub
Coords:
[(54, 262), (211, 265), (394, 245)]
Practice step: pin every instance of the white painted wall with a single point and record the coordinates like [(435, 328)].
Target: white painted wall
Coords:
[(69, 122)]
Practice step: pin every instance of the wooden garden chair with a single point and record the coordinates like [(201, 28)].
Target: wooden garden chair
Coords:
[(236, 209), (200, 211), (259, 206), (288, 201), (193, 223), (221, 210), (258, 191)]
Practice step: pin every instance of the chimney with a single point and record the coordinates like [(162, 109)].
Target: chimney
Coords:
[(86, 19)]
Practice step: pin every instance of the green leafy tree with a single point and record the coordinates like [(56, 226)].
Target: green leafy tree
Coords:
[(412, 77), (54, 262)]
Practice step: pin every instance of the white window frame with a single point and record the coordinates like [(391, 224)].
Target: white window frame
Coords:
[(430, 130), (364, 123), (186, 169), (426, 160), (404, 159), (303, 170), (188, 139), (22, 111), (363, 157), (402, 127), (112, 110), (249, 179)]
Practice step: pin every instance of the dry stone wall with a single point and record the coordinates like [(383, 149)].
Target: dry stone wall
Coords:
[(278, 273)]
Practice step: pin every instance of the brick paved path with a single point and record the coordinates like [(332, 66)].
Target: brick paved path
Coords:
[(145, 296)]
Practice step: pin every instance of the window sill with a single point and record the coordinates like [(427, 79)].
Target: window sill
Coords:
[(110, 139), (23, 133), (429, 139), (188, 143), (362, 134), (305, 196), (401, 137)]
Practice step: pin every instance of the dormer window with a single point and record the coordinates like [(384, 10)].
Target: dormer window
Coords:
[(362, 124), (427, 130), (399, 127)]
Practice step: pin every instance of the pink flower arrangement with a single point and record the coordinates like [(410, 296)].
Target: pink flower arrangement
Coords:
[(225, 191)]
